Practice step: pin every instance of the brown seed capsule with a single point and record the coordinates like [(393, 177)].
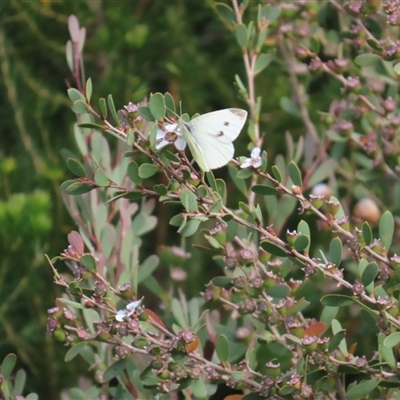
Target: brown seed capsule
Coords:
[(367, 210)]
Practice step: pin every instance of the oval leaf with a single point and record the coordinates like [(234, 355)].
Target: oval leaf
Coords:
[(190, 228), (157, 106), (362, 389), (188, 200), (336, 300), (80, 107), (74, 351), (114, 370), (369, 274), (88, 262), (76, 168), (295, 174), (366, 59), (222, 348), (264, 190), (392, 340), (273, 249), (147, 170), (335, 251), (100, 178), (8, 365), (386, 229), (133, 173)]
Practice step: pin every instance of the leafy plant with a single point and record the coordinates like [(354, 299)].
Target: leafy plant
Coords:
[(310, 264)]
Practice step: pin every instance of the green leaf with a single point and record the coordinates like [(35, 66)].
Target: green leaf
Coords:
[(366, 59), (366, 233), (103, 107), (157, 106), (147, 170), (90, 125), (244, 173), (74, 188), (76, 168), (392, 340), (71, 303), (289, 106), (201, 191), (241, 35), (75, 94), (373, 43), (88, 262), (190, 228), (385, 349), (145, 113), (222, 281), (336, 340), (100, 178), (301, 243), (226, 13), (323, 171), (176, 220), (264, 190), (335, 251), (222, 348), (188, 200), (239, 183), (112, 109), (80, 107), (114, 370), (337, 328), (396, 68), (337, 300), (269, 12), (257, 214), (263, 60), (74, 351), (299, 306), (245, 208), (303, 228), (169, 105), (221, 189), (362, 389), (276, 173), (262, 35), (241, 88), (369, 274), (386, 229), (287, 390), (8, 365), (161, 190), (273, 249), (199, 389), (278, 291), (314, 45), (211, 180), (89, 89), (295, 174), (133, 173), (20, 380)]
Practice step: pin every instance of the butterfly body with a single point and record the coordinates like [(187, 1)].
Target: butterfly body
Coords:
[(210, 136)]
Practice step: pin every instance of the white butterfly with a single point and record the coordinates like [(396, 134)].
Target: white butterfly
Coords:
[(210, 136)]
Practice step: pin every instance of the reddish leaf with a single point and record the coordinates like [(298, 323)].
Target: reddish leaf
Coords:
[(315, 329)]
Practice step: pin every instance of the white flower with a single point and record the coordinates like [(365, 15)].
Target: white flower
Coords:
[(170, 134), (254, 160), (128, 310)]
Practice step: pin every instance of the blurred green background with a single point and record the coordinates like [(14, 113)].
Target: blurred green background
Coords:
[(132, 48)]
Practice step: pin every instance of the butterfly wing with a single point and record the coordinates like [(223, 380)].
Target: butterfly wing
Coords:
[(211, 136)]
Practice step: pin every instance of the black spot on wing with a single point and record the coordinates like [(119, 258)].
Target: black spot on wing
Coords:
[(226, 123), (220, 133)]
